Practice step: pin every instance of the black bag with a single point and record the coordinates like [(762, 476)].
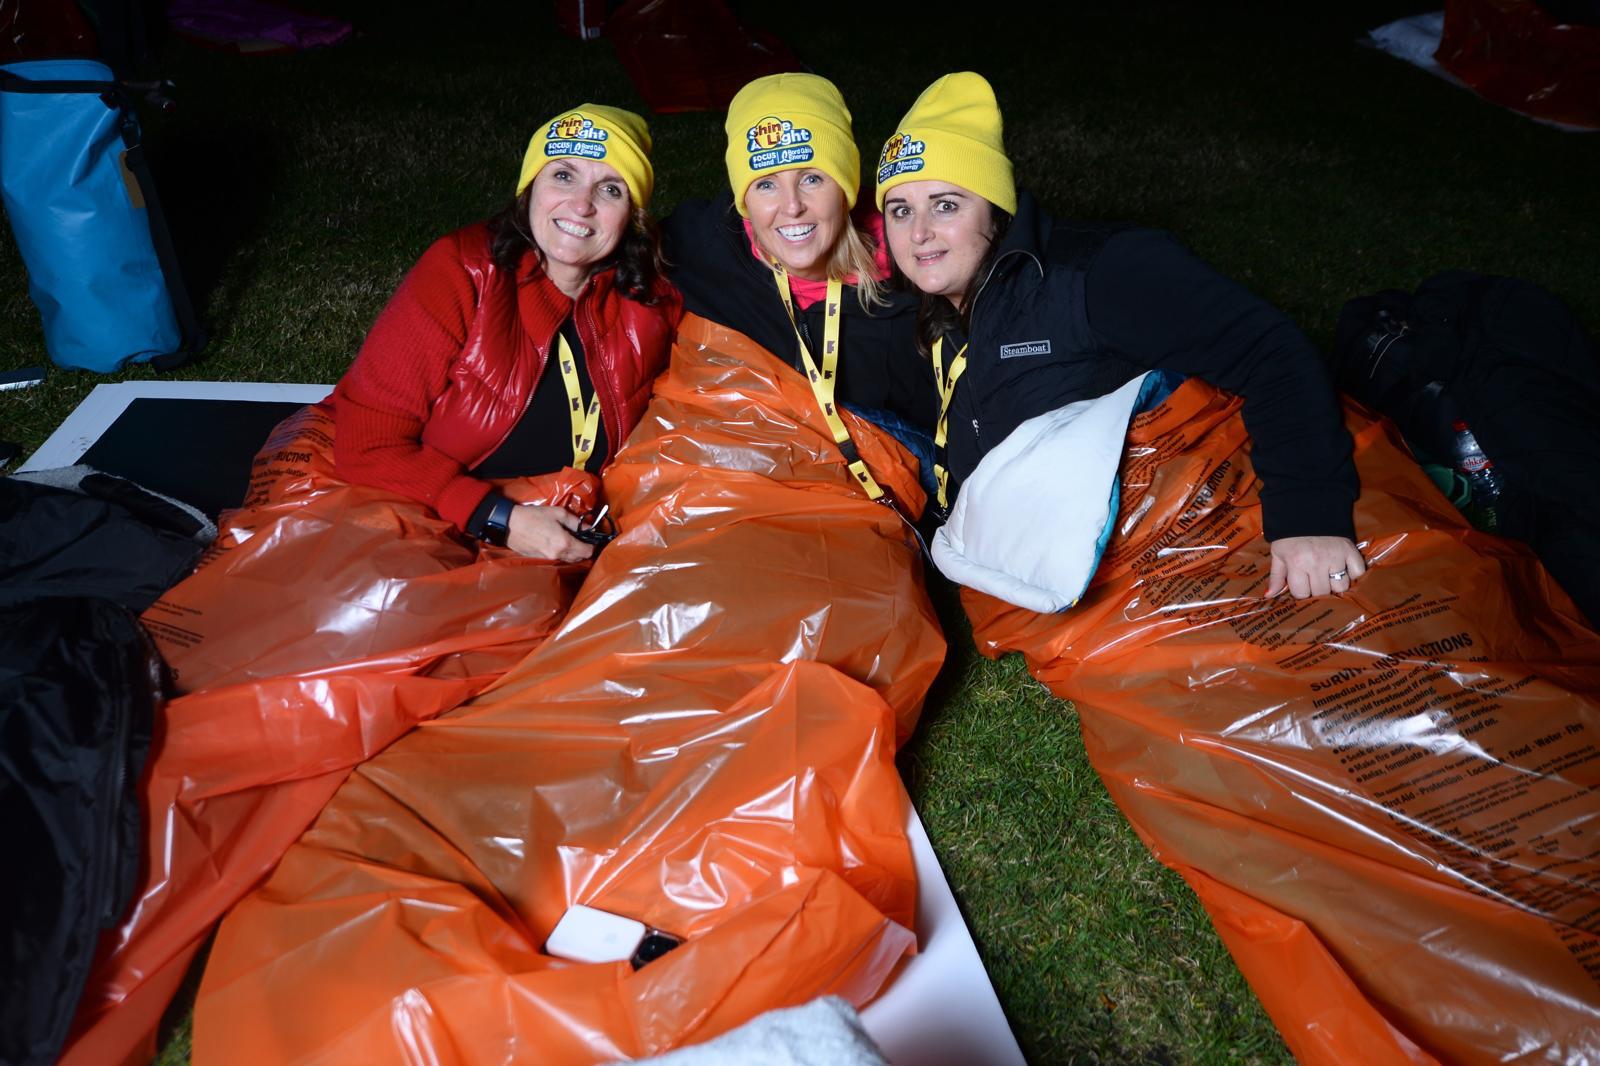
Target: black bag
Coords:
[(93, 534), (1513, 362), (80, 683)]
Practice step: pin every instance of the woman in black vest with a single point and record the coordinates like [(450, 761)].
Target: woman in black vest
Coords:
[(1025, 314)]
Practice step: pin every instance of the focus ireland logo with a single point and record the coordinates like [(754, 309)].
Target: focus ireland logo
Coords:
[(777, 142), (901, 155), (575, 135)]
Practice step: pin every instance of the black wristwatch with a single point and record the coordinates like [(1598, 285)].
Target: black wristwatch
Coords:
[(497, 524)]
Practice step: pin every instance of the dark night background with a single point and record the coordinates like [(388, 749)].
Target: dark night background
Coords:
[(302, 186)]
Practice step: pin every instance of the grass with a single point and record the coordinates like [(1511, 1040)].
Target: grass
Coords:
[(1099, 954), (303, 186)]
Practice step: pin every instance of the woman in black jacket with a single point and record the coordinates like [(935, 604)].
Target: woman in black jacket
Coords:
[(780, 258), (1022, 314)]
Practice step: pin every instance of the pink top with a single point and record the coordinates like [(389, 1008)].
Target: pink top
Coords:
[(806, 293)]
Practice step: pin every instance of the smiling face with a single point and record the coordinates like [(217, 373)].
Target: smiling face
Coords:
[(578, 210), (938, 234), (797, 217)]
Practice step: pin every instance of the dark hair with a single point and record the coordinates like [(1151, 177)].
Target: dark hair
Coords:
[(937, 316), (637, 256)]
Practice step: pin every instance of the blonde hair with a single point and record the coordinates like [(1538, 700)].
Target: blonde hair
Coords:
[(853, 254)]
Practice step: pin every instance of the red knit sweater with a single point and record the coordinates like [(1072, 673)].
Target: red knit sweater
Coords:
[(451, 363)]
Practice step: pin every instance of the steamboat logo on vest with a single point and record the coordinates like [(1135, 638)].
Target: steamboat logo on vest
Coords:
[(575, 135), (1022, 348), (777, 142), (902, 154)]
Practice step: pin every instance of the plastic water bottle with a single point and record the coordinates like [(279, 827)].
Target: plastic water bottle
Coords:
[(1480, 474)]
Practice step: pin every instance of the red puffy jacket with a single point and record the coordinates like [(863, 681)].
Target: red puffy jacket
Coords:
[(451, 364)]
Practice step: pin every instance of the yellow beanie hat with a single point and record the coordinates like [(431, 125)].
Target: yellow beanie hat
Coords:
[(952, 133), (594, 131), (788, 122)]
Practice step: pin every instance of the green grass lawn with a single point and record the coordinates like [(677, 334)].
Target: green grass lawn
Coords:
[(1314, 170)]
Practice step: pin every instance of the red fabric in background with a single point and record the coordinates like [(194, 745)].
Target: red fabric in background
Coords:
[(1518, 55), (582, 19), (33, 30), (692, 55)]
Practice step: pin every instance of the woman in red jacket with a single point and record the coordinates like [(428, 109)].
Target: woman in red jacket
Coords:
[(450, 389), (338, 607)]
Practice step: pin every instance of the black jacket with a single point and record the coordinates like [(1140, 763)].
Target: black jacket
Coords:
[(81, 532), (81, 684), (708, 256), (1072, 311)]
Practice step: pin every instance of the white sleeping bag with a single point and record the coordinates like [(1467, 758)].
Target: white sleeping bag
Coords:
[(1031, 522)]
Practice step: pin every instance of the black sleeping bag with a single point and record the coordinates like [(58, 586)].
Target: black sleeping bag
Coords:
[(105, 536), (80, 684)]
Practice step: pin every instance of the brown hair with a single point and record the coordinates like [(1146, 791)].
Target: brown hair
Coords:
[(937, 316), (637, 256)]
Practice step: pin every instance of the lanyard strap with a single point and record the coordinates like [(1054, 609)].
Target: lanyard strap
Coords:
[(824, 379), (584, 426), (947, 389)]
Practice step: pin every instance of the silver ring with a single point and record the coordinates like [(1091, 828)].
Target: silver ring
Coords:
[(1339, 575)]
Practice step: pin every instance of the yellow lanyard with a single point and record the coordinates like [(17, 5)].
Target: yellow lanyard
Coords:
[(947, 389), (584, 426), (824, 380)]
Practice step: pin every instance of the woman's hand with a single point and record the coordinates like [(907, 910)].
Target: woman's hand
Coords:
[(1314, 566), (542, 533)]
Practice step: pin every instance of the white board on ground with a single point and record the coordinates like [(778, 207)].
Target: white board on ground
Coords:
[(101, 407), (941, 1009)]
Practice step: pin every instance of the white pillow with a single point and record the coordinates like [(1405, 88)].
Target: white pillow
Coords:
[(1031, 523)]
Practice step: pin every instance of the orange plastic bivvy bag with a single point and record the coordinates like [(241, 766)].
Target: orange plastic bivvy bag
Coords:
[(326, 621), (705, 745), (1386, 800)]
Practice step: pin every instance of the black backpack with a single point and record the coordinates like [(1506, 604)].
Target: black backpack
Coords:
[(1512, 361), (80, 683)]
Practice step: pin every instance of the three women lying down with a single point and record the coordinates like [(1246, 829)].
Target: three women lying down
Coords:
[(995, 313), (991, 313)]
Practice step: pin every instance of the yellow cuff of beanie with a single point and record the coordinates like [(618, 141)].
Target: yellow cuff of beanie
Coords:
[(953, 133), (790, 122), (593, 131)]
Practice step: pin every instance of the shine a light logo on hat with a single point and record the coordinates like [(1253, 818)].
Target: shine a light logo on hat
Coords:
[(777, 142), (575, 135), (902, 154)]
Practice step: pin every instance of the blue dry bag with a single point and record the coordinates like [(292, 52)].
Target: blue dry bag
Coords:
[(86, 220)]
